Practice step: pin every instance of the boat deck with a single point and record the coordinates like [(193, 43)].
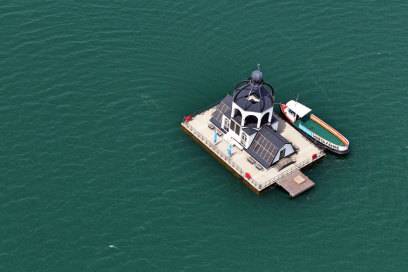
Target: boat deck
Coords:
[(256, 178), (319, 130)]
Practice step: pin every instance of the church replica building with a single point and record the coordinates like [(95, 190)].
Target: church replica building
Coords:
[(245, 135), (247, 119)]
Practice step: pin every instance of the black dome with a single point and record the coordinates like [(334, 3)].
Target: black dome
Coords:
[(254, 94)]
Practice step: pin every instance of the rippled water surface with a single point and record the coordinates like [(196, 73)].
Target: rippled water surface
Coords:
[(95, 174)]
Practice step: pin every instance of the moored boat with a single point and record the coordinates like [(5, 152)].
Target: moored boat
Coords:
[(302, 118)]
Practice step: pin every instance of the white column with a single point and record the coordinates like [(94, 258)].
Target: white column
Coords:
[(259, 121), (232, 110), (243, 118), (270, 116)]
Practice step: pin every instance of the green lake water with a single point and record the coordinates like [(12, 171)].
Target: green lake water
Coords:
[(96, 175)]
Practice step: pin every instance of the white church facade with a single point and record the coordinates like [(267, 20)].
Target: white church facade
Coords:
[(247, 118)]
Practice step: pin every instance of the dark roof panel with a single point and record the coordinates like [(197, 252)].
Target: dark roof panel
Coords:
[(266, 145), (249, 130), (261, 91), (223, 108), (216, 122)]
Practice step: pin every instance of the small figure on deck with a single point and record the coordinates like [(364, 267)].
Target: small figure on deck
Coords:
[(229, 150), (215, 137)]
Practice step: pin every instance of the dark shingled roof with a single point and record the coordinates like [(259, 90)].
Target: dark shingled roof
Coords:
[(261, 90), (249, 130), (266, 145), (223, 108)]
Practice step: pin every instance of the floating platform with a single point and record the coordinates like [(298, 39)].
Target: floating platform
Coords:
[(285, 174), (295, 183)]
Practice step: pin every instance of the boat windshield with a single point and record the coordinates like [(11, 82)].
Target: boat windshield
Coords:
[(306, 117)]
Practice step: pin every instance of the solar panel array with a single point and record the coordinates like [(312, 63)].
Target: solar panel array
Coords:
[(264, 148), (222, 108)]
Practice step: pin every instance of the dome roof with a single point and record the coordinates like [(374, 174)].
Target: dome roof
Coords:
[(254, 94)]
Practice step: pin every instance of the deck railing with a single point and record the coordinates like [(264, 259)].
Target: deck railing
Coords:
[(295, 167), (215, 149), (239, 170)]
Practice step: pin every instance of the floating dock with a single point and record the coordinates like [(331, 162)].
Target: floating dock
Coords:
[(285, 174)]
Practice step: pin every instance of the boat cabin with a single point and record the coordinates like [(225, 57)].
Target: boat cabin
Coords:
[(247, 120), (297, 110)]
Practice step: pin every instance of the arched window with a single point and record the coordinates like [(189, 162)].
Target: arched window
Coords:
[(237, 112), (251, 119), (265, 118)]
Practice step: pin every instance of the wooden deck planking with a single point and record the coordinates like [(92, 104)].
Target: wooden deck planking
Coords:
[(295, 183)]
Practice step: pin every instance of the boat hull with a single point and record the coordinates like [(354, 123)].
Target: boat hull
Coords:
[(317, 139)]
